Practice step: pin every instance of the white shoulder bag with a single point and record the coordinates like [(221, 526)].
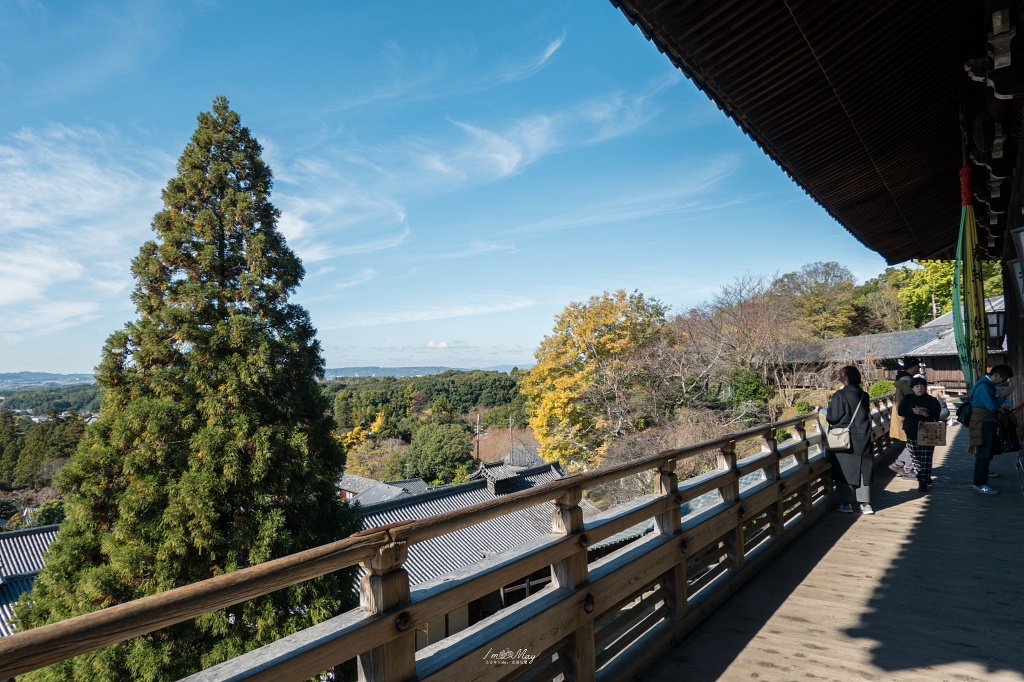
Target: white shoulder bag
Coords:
[(839, 436)]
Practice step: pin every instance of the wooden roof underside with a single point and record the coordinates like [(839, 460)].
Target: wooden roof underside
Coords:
[(858, 101)]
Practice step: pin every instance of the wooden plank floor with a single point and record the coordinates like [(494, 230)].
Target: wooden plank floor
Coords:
[(929, 588)]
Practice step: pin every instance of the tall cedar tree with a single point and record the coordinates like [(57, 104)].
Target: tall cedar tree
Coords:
[(213, 450)]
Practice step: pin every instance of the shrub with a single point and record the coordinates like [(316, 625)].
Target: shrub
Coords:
[(802, 407), (880, 388)]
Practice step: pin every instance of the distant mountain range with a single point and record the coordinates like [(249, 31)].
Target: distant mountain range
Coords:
[(11, 380), (15, 380), (409, 371)]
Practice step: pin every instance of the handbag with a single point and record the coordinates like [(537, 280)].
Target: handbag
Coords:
[(931, 433), (1008, 439), (838, 437)]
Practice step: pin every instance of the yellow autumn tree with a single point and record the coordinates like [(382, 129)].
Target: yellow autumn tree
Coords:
[(590, 382)]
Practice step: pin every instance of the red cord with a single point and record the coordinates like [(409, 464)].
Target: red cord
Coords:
[(966, 186)]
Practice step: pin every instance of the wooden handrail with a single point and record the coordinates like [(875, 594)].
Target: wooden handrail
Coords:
[(48, 644)]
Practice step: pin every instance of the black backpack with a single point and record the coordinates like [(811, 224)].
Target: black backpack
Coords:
[(963, 412)]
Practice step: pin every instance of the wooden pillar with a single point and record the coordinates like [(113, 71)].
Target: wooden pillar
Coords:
[(731, 495), (671, 523), (571, 573), (384, 587)]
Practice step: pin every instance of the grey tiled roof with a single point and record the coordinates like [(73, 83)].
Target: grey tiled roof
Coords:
[(945, 345), (356, 484), (890, 345), (380, 492), (9, 593), (993, 304), (21, 551), (410, 485), (441, 555), (21, 558)]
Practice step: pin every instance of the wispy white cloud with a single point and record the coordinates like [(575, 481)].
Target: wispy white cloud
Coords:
[(431, 344), (75, 204), (365, 276), (530, 67), (691, 193), (350, 198), (427, 311)]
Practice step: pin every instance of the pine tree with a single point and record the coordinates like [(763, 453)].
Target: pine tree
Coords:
[(213, 450)]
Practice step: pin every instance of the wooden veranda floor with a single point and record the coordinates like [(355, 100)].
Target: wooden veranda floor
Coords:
[(929, 588)]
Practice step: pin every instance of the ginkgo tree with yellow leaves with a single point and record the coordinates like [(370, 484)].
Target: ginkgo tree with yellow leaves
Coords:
[(592, 379)]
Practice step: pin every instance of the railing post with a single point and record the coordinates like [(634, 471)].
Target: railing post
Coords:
[(730, 493), (385, 586), (571, 573), (671, 523), (802, 456), (827, 477), (772, 472)]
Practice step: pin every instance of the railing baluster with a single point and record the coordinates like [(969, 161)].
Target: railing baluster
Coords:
[(731, 493), (570, 573), (671, 523), (802, 456), (385, 586), (773, 473)]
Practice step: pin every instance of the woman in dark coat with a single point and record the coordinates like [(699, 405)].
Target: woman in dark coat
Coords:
[(917, 407), (852, 469)]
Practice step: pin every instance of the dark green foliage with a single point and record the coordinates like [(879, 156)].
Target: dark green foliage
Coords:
[(439, 452), (214, 447), (31, 453), (881, 387), (48, 514), (12, 439), (85, 398), (7, 508), (745, 386), (46, 446), (499, 416), (358, 401), (802, 407)]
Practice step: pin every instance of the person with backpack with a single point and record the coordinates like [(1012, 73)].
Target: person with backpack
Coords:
[(986, 400), (852, 468), (904, 464), (915, 408)]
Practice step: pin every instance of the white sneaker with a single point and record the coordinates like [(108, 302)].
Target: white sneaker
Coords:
[(985, 490), (846, 509), (866, 509)]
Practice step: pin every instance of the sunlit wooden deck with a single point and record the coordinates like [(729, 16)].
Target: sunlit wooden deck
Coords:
[(929, 588)]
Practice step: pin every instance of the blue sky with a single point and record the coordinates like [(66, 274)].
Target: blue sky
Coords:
[(452, 174)]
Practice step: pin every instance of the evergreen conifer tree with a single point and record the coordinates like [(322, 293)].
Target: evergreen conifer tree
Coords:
[(213, 450)]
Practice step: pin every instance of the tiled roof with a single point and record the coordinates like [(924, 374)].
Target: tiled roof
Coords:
[(9, 593), (382, 492), (356, 484), (993, 304), (945, 345), (886, 346), (21, 551), (440, 555), (21, 557), (410, 485)]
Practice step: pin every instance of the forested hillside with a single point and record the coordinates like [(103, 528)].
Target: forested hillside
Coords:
[(85, 398), (421, 426)]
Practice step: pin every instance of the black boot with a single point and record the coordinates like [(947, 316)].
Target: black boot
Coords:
[(922, 486)]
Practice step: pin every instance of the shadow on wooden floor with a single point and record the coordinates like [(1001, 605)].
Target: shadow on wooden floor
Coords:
[(928, 581), (956, 590)]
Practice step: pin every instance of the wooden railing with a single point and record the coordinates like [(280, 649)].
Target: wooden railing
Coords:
[(606, 619)]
